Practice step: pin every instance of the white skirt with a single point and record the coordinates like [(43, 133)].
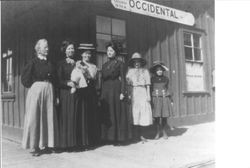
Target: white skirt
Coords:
[(40, 123), (141, 108)]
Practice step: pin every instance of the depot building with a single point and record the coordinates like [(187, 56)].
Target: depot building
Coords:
[(179, 33)]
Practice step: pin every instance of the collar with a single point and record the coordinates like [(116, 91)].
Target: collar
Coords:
[(42, 57), (70, 61)]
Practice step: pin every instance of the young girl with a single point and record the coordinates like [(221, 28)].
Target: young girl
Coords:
[(139, 80), (161, 98)]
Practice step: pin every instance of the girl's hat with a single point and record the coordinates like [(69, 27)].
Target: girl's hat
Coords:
[(136, 57), (157, 64), (86, 46)]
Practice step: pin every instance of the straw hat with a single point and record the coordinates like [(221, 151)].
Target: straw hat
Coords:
[(136, 57), (157, 64), (86, 46)]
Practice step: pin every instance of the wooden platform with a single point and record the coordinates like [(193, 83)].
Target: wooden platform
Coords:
[(185, 146)]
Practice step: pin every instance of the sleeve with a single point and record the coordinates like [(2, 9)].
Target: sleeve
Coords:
[(147, 77), (167, 83), (61, 82), (26, 77), (123, 81), (92, 71), (128, 77)]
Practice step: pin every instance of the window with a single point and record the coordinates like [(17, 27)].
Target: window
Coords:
[(192, 47), (7, 72), (193, 61), (109, 29)]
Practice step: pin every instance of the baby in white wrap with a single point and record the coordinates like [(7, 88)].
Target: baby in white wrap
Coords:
[(83, 70), (77, 76)]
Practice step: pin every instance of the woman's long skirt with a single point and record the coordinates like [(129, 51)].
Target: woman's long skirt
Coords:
[(115, 114), (82, 136), (40, 124), (67, 119)]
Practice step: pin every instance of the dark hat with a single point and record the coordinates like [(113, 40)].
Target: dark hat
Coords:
[(86, 46), (136, 57), (157, 64)]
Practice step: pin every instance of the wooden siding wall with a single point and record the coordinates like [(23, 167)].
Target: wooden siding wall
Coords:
[(47, 22), (161, 40), (155, 39), (198, 104)]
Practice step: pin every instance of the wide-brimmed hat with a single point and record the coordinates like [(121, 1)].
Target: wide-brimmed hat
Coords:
[(86, 46), (136, 57), (157, 64)]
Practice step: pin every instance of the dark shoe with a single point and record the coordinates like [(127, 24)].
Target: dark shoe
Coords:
[(36, 152), (143, 140)]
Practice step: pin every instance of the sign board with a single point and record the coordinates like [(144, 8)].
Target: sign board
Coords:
[(155, 10)]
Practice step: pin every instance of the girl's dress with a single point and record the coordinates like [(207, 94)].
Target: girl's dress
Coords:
[(160, 96), (139, 79), (40, 124)]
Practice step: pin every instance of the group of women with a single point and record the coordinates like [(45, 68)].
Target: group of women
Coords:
[(56, 117)]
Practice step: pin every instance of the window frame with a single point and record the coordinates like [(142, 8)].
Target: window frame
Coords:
[(202, 62), (193, 47), (8, 94), (126, 33)]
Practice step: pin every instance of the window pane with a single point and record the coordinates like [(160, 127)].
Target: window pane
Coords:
[(187, 39), (196, 40), (7, 75), (121, 41), (194, 76), (118, 27), (197, 54), (102, 41), (101, 59), (103, 24), (188, 53)]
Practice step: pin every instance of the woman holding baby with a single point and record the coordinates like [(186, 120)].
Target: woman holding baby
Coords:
[(75, 102)]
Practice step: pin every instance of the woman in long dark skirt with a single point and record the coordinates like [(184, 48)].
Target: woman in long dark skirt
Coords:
[(115, 117), (67, 105), (87, 124)]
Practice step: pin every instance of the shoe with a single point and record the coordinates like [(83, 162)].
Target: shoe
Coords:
[(36, 152), (165, 135), (157, 136), (144, 140)]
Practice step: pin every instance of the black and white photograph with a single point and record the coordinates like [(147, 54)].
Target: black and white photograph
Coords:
[(108, 83)]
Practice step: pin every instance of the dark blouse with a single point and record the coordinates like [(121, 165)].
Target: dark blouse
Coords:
[(37, 70), (64, 73), (160, 85), (114, 70)]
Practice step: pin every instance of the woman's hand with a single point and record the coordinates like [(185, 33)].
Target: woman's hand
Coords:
[(121, 96), (57, 101), (148, 98), (70, 84)]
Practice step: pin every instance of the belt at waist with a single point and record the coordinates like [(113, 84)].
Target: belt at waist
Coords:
[(42, 80)]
